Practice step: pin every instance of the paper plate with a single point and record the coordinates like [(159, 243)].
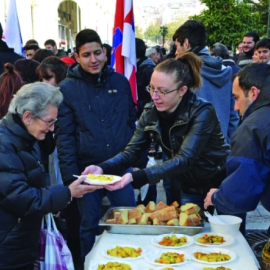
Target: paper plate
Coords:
[(228, 240), (155, 241), (102, 182), (152, 256), (104, 252), (212, 250), (94, 264)]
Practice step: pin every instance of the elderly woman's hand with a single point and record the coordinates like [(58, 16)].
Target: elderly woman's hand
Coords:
[(77, 190)]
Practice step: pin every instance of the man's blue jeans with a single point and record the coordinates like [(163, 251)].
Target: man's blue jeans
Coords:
[(90, 206)]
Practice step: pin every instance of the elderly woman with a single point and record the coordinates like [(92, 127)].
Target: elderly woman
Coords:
[(187, 129), (24, 199)]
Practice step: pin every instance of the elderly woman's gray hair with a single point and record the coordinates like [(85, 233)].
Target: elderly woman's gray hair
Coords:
[(220, 50), (35, 97), (149, 51)]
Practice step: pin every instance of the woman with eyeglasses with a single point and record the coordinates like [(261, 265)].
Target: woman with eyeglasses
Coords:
[(187, 129), (53, 70), (24, 197)]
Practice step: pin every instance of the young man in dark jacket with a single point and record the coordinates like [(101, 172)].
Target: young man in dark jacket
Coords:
[(95, 121), (248, 165)]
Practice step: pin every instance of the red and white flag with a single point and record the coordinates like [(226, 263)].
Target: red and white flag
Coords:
[(123, 50)]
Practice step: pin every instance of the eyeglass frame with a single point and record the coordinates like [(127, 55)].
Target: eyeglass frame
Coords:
[(158, 92), (48, 123)]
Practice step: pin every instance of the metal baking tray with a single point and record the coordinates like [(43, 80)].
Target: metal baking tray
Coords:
[(145, 229)]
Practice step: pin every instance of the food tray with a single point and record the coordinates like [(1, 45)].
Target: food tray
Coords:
[(145, 229)]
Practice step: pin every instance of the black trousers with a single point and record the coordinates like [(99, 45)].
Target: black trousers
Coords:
[(73, 221)]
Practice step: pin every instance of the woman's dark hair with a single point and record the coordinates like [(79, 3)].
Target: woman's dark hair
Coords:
[(41, 54), (55, 65), (186, 69), (10, 83), (108, 52)]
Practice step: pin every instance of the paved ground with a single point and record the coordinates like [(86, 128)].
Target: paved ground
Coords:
[(258, 219)]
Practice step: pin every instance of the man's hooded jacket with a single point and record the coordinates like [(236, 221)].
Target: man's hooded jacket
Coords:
[(217, 89)]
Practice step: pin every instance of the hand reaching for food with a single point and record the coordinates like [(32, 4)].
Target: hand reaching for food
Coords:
[(208, 198), (77, 190)]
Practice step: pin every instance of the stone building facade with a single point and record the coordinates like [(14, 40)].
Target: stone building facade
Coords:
[(62, 20)]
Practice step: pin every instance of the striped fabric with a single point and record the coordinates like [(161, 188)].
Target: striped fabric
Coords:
[(123, 51)]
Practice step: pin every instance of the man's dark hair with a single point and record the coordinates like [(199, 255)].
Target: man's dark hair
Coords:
[(253, 75), (86, 36), (163, 50), (220, 50), (158, 48), (172, 49), (140, 48), (31, 42), (194, 31), (254, 35), (41, 54), (31, 47), (50, 42), (263, 43)]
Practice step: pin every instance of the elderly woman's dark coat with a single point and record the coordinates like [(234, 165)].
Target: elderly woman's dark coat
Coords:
[(24, 199)]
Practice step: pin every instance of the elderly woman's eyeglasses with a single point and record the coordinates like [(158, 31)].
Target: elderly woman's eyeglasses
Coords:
[(158, 92), (48, 123)]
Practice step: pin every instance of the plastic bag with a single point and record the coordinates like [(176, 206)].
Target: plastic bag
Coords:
[(54, 253)]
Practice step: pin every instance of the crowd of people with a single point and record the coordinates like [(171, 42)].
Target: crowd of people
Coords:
[(202, 113)]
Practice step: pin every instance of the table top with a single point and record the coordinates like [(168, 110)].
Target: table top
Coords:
[(245, 257)]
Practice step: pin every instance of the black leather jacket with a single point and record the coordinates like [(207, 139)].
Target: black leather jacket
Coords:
[(198, 150)]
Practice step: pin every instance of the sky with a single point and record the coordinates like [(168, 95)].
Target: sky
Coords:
[(150, 2)]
